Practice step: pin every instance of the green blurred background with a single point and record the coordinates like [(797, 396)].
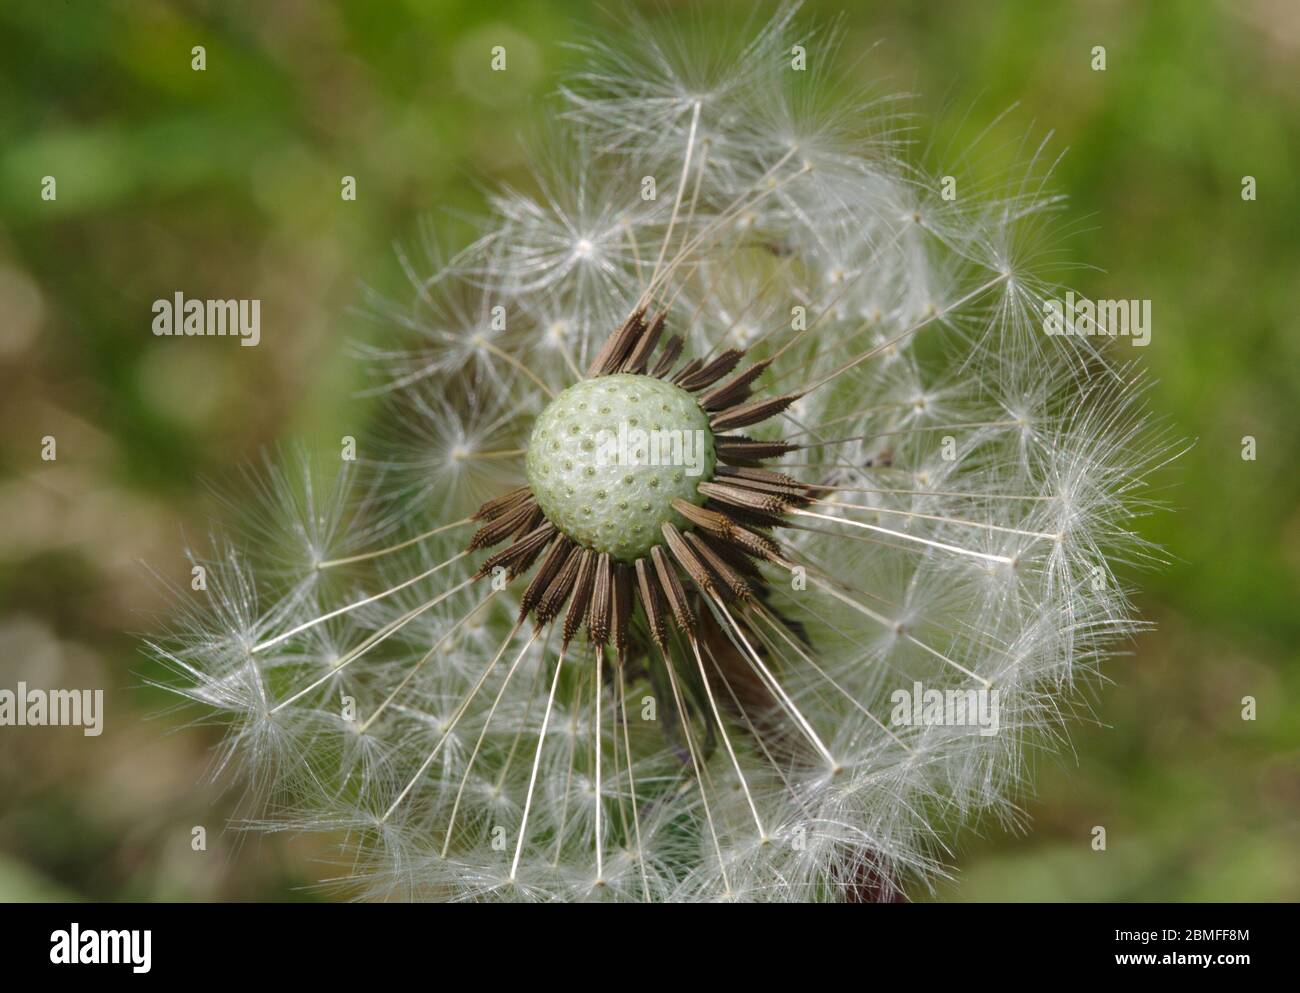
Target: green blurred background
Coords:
[(225, 183)]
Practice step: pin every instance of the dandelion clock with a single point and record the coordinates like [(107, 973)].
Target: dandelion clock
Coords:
[(734, 529)]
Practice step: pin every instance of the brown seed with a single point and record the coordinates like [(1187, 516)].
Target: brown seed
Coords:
[(622, 612), (551, 565), (519, 555), (617, 346), (497, 506), (558, 589), (583, 585), (500, 527), (720, 570), (715, 370), (668, 357), (672, 590), (639, 357), (652, 603), (735, 390), (688, 560), (740, 496), (752, 412), (737, 450), (602, 597)]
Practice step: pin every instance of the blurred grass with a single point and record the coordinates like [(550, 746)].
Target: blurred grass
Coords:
[(225, 183)]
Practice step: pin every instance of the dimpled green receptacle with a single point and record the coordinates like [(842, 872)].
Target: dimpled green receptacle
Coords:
[(609, 455)]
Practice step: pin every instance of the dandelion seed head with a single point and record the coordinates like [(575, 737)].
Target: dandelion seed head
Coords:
[(505, 670)]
